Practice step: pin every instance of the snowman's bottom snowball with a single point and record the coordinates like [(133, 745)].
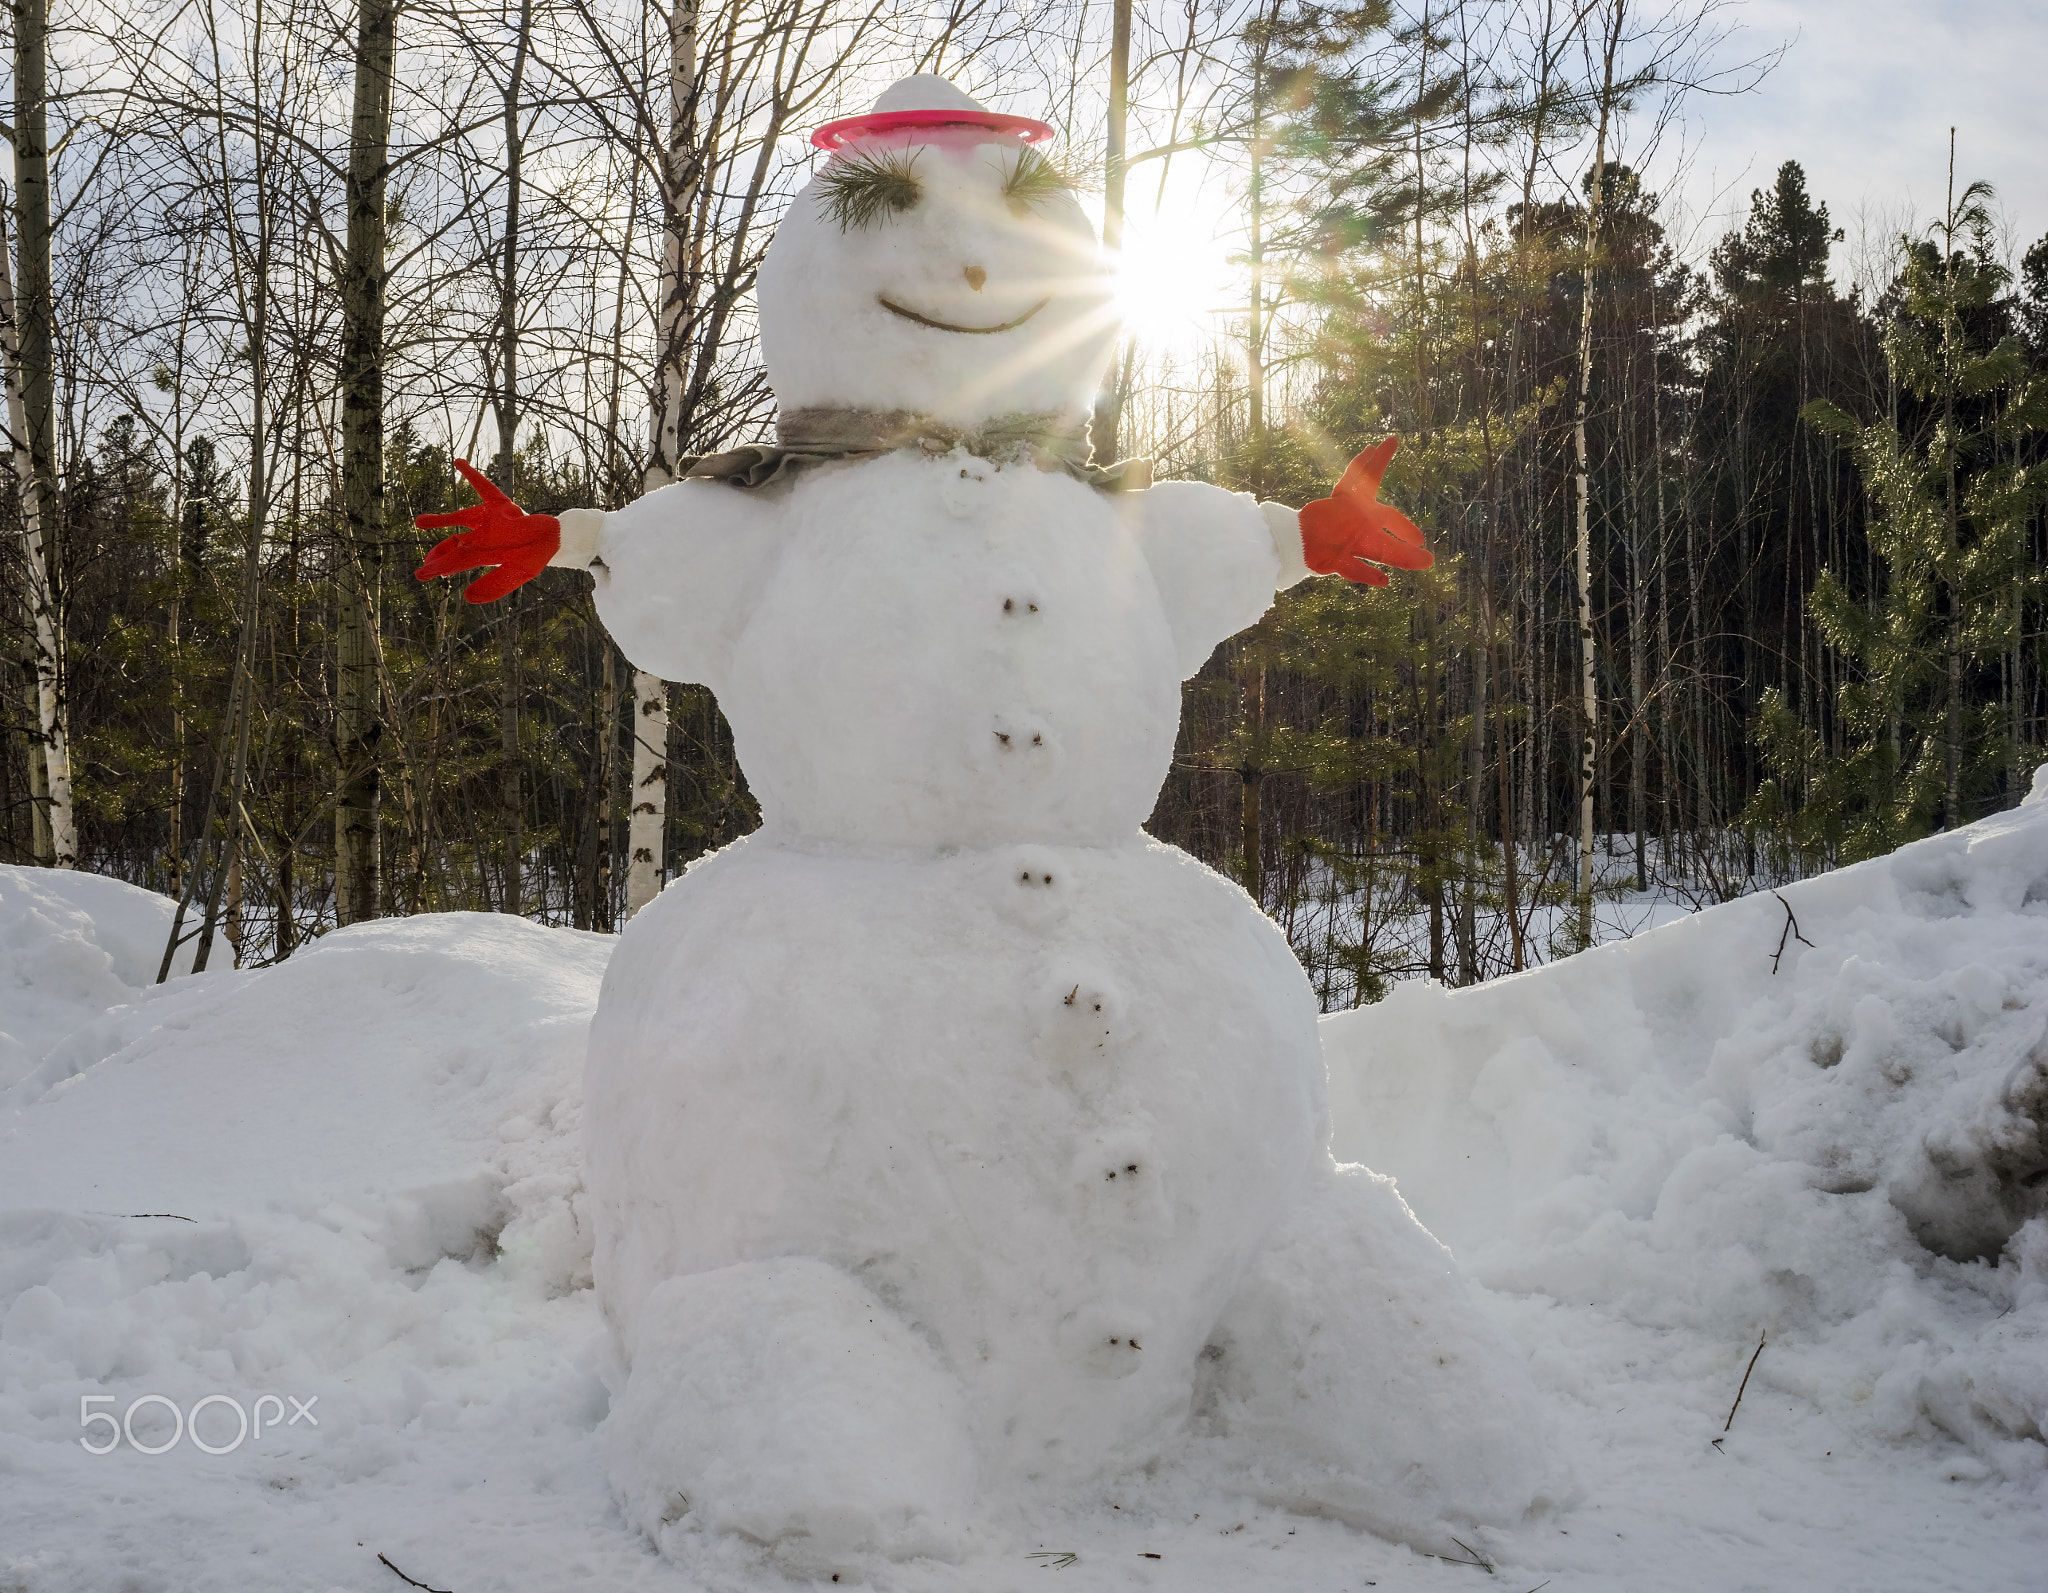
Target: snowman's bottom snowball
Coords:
[(1355, 1376), (895, 1163), (780, 1400)]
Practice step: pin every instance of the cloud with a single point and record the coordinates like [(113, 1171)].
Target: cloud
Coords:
[(1864, 99)]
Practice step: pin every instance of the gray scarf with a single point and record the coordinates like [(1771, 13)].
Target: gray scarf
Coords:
[(806, 437)]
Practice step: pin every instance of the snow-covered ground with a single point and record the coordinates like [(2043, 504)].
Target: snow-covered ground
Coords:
[(352, 1182), (1365, 913)]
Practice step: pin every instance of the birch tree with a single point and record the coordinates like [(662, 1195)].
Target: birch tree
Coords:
[(32, 385), (647, 819), (1610, 36)]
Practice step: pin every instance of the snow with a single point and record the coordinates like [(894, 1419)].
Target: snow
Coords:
[(1044, 1110), (1649, 1136), (71, 945), (829, 341), (1815, 1114)]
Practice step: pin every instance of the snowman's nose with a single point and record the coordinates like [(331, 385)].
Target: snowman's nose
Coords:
[(975, 277)]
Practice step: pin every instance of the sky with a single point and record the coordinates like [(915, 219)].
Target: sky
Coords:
[(1864, 99)]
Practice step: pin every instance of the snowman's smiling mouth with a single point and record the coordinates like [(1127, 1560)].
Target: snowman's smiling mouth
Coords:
[(894, 308)]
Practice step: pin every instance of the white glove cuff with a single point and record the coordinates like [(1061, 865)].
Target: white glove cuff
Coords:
[(580, 531), (1285, 525)]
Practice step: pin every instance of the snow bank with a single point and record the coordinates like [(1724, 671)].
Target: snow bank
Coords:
[(404, 1062), (351, 1178), (377, 1144), (71, 945), (1817, 1114)]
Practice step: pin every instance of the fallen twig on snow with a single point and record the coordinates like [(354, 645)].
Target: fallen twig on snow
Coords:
[(1730, 1422), (1058, 1559), (1790, 931), (404, 1578)]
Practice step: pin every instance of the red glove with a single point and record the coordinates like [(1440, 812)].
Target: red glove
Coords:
[(496, 531), (1340, 532)]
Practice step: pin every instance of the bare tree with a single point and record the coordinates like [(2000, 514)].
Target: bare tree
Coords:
[(359, 559)]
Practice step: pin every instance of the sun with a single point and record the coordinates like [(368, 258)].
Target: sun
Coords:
[(1174, 277)]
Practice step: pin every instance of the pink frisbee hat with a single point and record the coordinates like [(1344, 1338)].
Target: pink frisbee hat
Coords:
[(928, 103)]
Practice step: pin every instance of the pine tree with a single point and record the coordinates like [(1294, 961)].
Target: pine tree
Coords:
[(1953, 498)]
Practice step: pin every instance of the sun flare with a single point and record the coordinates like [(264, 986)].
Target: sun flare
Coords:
[(1173, 279)]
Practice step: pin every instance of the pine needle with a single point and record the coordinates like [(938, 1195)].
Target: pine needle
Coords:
[(864, 189), (1477, 1559), (1034, 181)]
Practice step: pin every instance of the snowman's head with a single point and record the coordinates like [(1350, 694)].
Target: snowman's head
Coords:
[(938, 263)]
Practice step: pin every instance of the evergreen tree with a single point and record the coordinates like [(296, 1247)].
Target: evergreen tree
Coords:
[(1953, 499)]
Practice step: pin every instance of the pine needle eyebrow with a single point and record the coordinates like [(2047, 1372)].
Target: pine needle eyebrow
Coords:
[(865, 189), (1033, 181)]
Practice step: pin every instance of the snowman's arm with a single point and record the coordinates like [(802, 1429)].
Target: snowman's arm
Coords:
[(1217, 558), (678, 572)]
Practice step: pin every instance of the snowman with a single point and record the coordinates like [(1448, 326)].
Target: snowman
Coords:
[(948, 1138)]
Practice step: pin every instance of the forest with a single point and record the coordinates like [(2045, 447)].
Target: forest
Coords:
[(1739, 520)]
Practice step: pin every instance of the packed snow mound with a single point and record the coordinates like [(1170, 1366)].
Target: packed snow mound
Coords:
[(404, 1069), (72, 945), (1820, 1114), (1360, 1322)]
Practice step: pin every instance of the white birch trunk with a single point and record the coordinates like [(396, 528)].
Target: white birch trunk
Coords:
[(649, 816), (678, 195), (1589, 704), (53, 713), (648, 820)]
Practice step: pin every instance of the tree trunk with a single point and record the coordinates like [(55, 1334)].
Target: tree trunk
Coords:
[(1589, 700), (2015, 787), (601, 914), (649, 815), (1429, 798), (359, 557), (1251, 825), (1638, 697), (1467, 929), (252, 291), (1511, 894), (55, 836), (1951, 597), (510, 800), (1109, 401), (231, 920), (511, 803), (32, 420), (1255, 307), (38, 773), (680, 171)]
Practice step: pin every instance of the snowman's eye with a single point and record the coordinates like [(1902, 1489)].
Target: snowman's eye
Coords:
[(1034, 182), (867, 188)]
